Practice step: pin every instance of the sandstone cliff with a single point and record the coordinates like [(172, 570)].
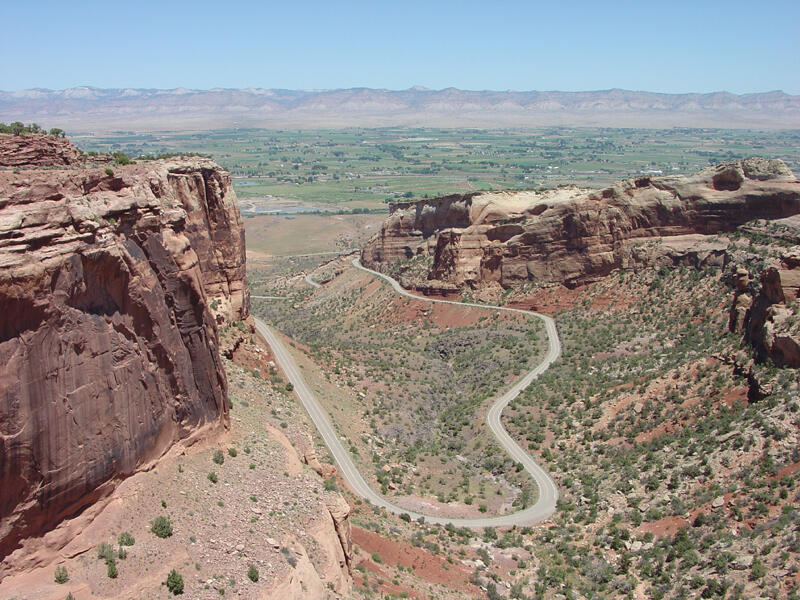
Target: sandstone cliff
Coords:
[(573, 236), (111, 288)]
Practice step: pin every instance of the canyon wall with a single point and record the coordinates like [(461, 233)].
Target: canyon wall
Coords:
[(112, 284), (572, 236)]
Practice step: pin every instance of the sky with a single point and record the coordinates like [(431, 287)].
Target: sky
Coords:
[(670, 46)]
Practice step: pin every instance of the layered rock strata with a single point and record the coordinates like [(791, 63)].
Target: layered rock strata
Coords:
[(37, 150), (573, 236), (112, 283)]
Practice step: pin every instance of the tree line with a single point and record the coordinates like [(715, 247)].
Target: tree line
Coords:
[(19, 128)]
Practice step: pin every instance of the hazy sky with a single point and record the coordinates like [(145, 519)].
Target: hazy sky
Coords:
[(668, 46)]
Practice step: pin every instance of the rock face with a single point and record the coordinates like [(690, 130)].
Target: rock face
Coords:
[(573, 236), (37, 151), (768, 318), (111, 289)]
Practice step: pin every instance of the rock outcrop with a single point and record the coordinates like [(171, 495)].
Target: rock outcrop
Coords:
[(769, 317), (37, 150), (112, 284), (574, 236)]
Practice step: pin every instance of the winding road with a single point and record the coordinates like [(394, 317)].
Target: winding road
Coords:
[(545, 504)]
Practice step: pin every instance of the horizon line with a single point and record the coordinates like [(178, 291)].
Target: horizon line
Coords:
[(416, 88)]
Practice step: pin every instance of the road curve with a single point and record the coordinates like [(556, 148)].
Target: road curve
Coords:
[(545, 504), (310, 281)]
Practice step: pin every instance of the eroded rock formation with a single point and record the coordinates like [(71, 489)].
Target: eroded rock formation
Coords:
[(574, 236), (111, 288), (36, 150), (768, 317)]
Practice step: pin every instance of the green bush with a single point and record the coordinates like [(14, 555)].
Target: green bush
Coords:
[(252, 574), (105, 552), (232, 452), (175, 582), (161, 527), (218, 457), (60, 576), (111, 569), (757, 570), (212, 477), (110, 172), (125, 539), (121, 158)]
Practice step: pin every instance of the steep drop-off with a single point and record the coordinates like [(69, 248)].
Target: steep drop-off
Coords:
[(112, 283), (573, 236)]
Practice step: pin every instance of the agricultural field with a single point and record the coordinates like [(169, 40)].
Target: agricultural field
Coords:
[(361, 170)]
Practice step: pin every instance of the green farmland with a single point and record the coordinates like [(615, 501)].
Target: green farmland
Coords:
[(364, 169)]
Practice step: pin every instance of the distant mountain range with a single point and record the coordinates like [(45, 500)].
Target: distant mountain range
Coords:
[(83, 109)]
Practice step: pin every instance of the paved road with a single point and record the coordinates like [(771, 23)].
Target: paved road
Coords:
[(548, 494), (269, 297), (311, 281)]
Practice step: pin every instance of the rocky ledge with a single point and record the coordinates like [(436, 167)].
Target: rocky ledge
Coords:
[(37, 150), (112, 285)]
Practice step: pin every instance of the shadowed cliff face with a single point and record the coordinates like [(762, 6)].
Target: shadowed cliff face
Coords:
[(574, 236), (111, 289)]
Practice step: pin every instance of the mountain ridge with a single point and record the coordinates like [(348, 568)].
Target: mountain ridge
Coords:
[(85, 108)]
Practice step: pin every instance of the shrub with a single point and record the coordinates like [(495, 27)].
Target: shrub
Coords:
[(121, 158), (758, 570), (376, 558), (212, 477), (218, 457), (105, 552), (252, 574), (175, 582), (289, 387), (110, 172), (60, 576), (406, 517), (125, 539), (111, 569), (161, 527), (232, 452)]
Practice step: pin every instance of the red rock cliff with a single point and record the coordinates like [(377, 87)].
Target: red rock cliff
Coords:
[(111, 288), (573, 236)]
